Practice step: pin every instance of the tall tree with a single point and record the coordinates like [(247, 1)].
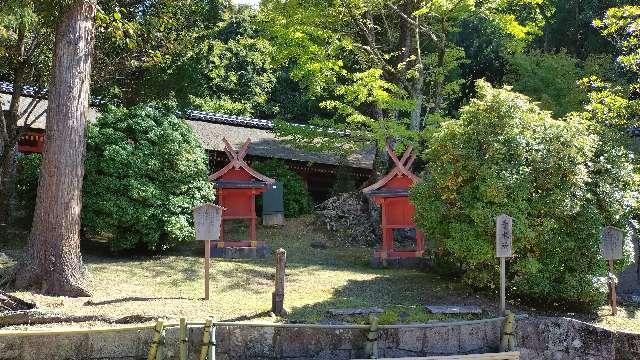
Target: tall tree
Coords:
[(53, 261)]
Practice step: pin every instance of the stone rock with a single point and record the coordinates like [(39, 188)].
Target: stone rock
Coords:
[(319, 244), (351, 219), (355, 311), (448, 309)]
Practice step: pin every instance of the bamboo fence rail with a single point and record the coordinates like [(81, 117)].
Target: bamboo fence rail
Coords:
[(72, 331)]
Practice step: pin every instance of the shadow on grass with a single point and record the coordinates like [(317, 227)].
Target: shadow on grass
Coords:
[(248, 317), (130, 299), (402, 296)]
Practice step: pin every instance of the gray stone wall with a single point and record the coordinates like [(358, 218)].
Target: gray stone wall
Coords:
[(538, 338)]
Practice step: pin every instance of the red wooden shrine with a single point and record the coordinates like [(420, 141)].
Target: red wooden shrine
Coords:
[(31, 142), (237, 185), (392, 194)]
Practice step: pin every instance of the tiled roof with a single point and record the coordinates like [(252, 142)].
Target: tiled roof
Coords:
[(264, 143), (7, 88), (228, 119), (210, 128)]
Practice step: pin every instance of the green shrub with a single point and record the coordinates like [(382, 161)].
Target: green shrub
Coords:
[(551, 79), (505, 155), (145, 171), (297, 200), (27, 186)]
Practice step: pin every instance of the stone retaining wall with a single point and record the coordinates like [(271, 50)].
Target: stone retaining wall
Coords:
[(538, 338)]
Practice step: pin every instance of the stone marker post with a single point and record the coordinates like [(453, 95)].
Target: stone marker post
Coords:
[(611, 243), (277, 298), (207, 219), (504, 240)]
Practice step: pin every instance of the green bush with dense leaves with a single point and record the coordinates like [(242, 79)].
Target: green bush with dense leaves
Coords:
[(145, 171), (555, 178), (28, 171), (297, 200)]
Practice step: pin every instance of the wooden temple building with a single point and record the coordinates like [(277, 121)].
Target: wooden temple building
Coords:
[(317, 169), (398, 227)]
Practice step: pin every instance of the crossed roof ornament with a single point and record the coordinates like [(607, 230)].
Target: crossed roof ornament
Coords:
[(237, 162), (401, 168)]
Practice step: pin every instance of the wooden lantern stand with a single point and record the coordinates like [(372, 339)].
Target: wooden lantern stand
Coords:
[(237, 186), (392, 194)]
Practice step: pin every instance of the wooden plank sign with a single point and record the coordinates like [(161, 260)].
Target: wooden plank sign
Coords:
[(611, 243), (207, 218), (504, 237)]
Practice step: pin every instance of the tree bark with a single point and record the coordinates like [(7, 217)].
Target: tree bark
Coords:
[(53, 261)]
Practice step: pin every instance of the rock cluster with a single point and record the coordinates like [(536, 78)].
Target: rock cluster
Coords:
[(351, 219)]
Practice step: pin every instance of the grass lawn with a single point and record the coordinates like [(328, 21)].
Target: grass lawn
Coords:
[(171, 285)]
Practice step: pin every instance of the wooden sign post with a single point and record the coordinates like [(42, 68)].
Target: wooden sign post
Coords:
[(207, 219), (277, 298), (504, 240), (611, 243)]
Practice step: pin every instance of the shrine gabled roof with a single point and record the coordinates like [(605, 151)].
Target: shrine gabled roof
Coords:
[(388, 192), (401, 169), (231, 184), (236, 162)]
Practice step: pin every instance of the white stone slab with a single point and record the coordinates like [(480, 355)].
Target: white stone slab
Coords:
[(449, 309), (355, 311)]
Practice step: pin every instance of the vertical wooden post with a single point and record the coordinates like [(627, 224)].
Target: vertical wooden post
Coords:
[(507, 336), (183, 339), (371, 346), (503, 285), (277, 298), (612, 290), (212, 341), (206, 340), (252, 231), (156, 340), (207, 257)]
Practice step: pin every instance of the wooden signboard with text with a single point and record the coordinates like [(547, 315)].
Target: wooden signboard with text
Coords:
[(611, 244), (504, 249), (504, 236), (207, 219)]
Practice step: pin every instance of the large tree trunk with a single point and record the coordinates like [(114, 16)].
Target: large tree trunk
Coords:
[(53, 262)]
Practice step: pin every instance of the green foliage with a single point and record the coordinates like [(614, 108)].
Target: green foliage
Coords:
[(26, 18), (239, 77), (27, 185), (622, 26), (555, 178), (551, 79), (145, 171), (141, 47), (297, 200)]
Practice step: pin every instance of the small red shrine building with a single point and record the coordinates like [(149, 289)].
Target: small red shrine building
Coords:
[(392, 194), (237, 186)]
